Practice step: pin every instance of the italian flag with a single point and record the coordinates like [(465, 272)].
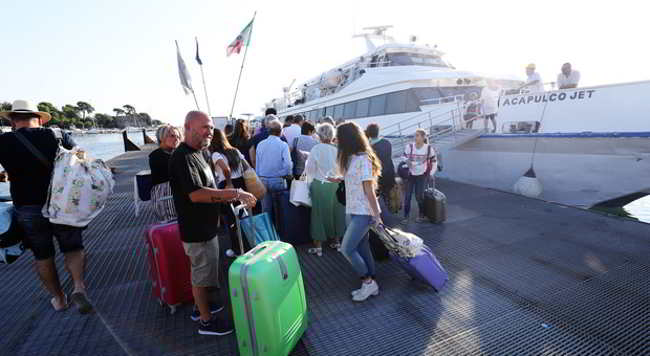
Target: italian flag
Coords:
[(243, 39)]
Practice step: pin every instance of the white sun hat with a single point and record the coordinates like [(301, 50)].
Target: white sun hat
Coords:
[(24, 106)]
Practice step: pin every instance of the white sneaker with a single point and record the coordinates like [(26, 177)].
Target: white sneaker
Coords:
[(230, 253), (367, 289)]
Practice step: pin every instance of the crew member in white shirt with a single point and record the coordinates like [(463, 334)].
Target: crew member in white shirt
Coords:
[(569, 78), (489, 101), (534, 82)]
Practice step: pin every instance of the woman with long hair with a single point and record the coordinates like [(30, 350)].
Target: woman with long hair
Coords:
[(241, 137), (229, 168), (360, 167), (420, 157)]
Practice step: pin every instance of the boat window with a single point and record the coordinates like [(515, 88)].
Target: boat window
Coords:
[(412, 102), (396, 102), (425, 95), (338, 111), (349, 110), (377, 105), (362, 108), (329, 111), (407, 59)]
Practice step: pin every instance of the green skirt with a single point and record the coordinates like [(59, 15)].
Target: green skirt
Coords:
[(327, 214)]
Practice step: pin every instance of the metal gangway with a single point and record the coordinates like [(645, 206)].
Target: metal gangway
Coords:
[(445, 126)]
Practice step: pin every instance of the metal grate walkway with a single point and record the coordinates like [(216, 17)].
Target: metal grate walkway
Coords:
[(527, 278)]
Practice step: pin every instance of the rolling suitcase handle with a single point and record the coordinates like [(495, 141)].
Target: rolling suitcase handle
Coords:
[(237, 210)]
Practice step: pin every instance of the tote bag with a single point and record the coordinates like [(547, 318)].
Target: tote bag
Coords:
[(299, 193), (79, 189)]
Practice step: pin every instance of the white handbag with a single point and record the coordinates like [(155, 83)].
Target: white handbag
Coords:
[(299, 193)]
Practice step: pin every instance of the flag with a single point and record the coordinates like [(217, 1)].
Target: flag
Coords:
[(186, 80), (198, 59), (243, 39)]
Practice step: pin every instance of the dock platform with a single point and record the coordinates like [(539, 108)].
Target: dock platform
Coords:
[(526, 278)]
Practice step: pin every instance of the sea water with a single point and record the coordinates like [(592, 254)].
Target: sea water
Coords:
[(107, 146)]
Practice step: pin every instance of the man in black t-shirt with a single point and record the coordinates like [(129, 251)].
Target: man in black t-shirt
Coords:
[(30, 179), (197, 199)]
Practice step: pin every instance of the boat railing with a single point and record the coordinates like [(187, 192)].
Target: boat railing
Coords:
[(438, 124), (397, 127), (443, 100)]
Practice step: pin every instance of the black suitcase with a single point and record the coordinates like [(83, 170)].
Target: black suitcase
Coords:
[(291, 222), (435, 205)]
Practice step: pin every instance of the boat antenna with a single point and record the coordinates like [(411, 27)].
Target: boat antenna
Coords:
[(376, 32)]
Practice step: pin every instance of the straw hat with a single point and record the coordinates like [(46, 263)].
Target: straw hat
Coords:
[(531, 66), (24, 106)]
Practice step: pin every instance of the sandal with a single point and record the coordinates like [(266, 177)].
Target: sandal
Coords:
[(315, 251), (82, 302), (65, 303)]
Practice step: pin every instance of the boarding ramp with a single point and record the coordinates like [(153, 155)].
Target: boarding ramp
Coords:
[(446, 128)]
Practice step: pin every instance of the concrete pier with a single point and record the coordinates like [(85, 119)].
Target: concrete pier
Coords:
[(526, 278)]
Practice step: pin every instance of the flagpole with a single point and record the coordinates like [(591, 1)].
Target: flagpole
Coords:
[(195, 101), (205, 89), (234, 99)]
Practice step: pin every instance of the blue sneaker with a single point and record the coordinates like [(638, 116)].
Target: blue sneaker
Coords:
[(214, 309)]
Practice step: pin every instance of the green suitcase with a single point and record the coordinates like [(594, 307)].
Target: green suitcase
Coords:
[(268, 299)]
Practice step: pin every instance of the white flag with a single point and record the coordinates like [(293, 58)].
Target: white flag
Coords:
[(186, 80)]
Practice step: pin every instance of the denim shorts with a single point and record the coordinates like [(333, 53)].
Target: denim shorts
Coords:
[(39, 233)]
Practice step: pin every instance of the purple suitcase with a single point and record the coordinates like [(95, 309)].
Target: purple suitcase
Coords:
[(424, 268)]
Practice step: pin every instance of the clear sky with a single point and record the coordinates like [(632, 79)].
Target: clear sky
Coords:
[(111, 53)]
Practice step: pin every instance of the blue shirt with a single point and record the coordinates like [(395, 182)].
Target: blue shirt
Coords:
[(273, 158)]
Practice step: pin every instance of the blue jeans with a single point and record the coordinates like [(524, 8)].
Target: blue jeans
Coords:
[(272, 185), (417, 184), (356, 246)]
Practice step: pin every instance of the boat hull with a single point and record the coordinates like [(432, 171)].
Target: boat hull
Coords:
[(580, 170)]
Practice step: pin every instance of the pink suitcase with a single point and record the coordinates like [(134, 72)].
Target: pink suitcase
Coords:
[(168, 265)]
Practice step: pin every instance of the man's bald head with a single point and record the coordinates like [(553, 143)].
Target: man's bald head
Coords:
[(198, 129), (194, 116)]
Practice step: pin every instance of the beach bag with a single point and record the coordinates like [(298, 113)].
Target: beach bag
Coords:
[(11, 235), (401, 243), (299, 193), (79, 189), (253, 183), (256, 228)]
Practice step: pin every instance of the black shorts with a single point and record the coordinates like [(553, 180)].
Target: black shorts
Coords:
[(39, 233)]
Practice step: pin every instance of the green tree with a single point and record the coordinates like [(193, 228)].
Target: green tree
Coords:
[(118, 111), (144, 118), (85, 109), (57, 115), (105, 121), (5, 106), (131, 113)]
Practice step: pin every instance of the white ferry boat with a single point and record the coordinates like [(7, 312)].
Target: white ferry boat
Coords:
[(585, 145)]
